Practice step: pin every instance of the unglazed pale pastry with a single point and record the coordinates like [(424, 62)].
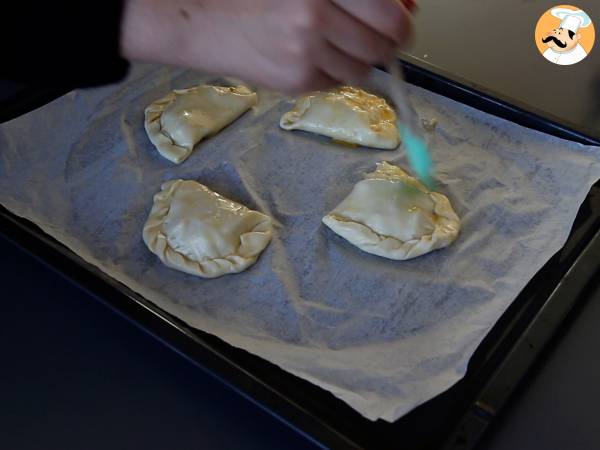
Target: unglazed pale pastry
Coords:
[(393, 215), (176, 122), (198, 231), (346, 114)]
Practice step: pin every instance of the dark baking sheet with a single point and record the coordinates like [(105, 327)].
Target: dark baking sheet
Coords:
[(489, 47), (454, 419)]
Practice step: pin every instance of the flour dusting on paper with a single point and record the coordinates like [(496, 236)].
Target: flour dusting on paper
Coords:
[(383, 336)]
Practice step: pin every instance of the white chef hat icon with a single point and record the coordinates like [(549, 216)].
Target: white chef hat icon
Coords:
[(570, 19)]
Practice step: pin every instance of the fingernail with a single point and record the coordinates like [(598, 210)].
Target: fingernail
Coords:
[(411, 5)]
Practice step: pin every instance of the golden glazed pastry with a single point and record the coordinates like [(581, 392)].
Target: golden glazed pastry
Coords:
[(176, 122), (200, 232), (393, 215), (345, 114)]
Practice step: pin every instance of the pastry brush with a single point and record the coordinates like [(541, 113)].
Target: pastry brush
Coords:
[(408, 124)]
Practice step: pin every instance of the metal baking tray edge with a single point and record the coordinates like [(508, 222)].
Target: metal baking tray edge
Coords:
[(198, 347)]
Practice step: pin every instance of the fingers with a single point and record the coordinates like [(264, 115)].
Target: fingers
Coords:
[(356, 39), (317, 80), (328, 42), (387, 17), (303, 79), (339, 65)]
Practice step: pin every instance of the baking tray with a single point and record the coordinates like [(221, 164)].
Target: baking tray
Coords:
[(455, 419)]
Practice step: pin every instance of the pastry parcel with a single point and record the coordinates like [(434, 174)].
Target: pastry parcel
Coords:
[(176, 122), (200, 232), (393, 215), (346, 114)]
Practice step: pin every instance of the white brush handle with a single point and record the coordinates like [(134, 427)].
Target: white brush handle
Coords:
[(399, 95)]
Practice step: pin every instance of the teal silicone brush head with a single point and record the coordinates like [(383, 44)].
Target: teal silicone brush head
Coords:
[(418, 155)]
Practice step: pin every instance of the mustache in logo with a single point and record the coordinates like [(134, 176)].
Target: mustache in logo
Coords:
[(556, 41)]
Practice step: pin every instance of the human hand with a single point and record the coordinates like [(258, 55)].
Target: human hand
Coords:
[(287, 45)]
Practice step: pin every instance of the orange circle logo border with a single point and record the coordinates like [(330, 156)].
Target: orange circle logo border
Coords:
[(548, 22)]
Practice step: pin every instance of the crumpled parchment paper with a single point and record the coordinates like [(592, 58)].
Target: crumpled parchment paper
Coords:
[(383, 336)]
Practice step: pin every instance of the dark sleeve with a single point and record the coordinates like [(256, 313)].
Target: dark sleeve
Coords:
[(66, 44)]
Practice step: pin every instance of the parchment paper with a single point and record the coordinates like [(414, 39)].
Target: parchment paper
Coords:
[(383, 336)]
